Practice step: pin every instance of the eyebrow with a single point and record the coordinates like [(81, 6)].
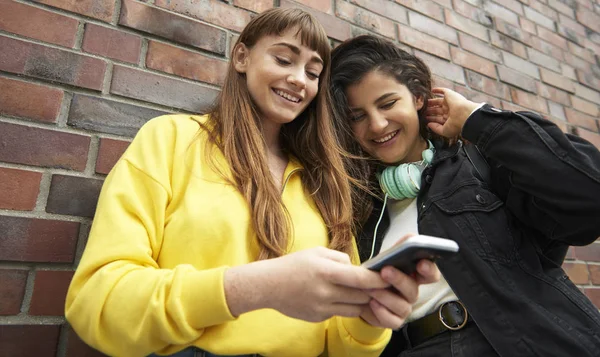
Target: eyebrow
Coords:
[(380, 99), (297, 51)]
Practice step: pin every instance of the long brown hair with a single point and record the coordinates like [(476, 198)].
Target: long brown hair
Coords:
[(235, 127), (351, 61)]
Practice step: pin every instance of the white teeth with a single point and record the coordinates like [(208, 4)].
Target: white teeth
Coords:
[(386, 138), (287, 96)]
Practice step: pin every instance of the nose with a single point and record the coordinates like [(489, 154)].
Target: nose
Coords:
[(377, 122), (297, 78)]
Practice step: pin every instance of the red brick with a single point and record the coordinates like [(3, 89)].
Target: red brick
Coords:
[(557, 111), (255, 5), (594, 274), (37, 240), (587, 93), (553, 38), (335, 28), (109, 153), (425, 7), (502, 41), (593, 138), (477, 96), (163, 90), (513, 31), (513, 5), (557, 80), (384, 8), (561, 7), (442, 82), (516, 79), (49, 292), (365, 19), (501, 12), (51, 64), (212, 11), (77, 348), (568, 24), (594, 295), (568, 71), (553, 94), (479, 47), (549, 49), (423, 42), (171, 26), (581, 52), (521, 65), (476, 63), (585, 106), (588, 79), (528, 100), (577, 272), (472, 12), (543, 60), (463, 24), (12, 290), (107, 116), (112, 43), (583, 120), (75, 196), (433, 28), (445, 3), (592, 46), (98, 9), (513, 107), (36, 23), (577, 62), (40, 147), (538, 18), (527, 26), (487, 85), (184, 63), (443, 68), (590, 253), (321, 5), (589, 19), (570, 253), (19, 189), (543, 9), (32, 101), (29, 340)]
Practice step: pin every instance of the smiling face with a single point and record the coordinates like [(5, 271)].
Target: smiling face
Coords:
[(282, 75), (384, 118)]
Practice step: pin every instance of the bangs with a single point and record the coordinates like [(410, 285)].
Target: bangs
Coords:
[(279, 20)]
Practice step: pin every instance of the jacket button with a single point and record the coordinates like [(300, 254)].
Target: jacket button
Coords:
[(428, 178), (480, 199)]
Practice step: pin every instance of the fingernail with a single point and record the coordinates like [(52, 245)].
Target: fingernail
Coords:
[(425, 268)]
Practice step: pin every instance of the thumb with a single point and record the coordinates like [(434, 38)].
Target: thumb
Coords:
[(337, 256)]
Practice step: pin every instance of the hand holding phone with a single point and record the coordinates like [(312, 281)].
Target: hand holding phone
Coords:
[(406, 255)]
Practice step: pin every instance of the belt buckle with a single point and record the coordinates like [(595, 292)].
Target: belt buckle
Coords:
[(441, 317)]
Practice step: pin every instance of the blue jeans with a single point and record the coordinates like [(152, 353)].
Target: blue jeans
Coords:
[(196, 352)]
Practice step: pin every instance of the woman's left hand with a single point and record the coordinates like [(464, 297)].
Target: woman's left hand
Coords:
[(447, 115), (389, 308)]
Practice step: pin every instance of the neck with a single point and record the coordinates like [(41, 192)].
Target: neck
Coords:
[(270, 133), (416, 153)]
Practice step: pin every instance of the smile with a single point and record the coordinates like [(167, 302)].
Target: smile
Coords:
[(386, 138), (287, 96)]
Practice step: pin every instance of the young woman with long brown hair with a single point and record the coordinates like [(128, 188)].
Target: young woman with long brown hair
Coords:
[(211, 231)]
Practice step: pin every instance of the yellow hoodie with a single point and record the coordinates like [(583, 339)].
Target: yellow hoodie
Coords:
[(166, 228)]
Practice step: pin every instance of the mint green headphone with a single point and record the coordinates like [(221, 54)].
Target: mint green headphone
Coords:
[(404, 181)]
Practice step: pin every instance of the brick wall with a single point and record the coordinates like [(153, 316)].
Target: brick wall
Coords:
[(78, 78)]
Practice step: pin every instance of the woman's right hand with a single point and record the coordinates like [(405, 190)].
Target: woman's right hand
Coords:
[(313, 285)]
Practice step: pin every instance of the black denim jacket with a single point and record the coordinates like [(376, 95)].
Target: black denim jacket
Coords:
[(514, 231)]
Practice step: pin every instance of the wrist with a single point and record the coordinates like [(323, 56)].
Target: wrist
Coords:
[(245, 288)]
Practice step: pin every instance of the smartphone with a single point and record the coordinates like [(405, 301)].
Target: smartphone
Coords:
[(405, 256)]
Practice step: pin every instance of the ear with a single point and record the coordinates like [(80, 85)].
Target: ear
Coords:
[(419, 101), (240, 57)]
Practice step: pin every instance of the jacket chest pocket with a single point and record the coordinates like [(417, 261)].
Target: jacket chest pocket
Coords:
[(475, 216)]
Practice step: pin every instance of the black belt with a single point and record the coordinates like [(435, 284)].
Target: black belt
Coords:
[(451, 315)]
